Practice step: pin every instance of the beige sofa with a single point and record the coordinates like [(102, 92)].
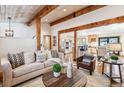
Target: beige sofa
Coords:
[(25, 72)]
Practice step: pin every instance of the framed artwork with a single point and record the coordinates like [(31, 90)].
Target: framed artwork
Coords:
[(54, 40), (92, 38)]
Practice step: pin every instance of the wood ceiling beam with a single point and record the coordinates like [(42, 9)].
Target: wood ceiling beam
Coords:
[(95, 24), (77, 13), (43, 12)]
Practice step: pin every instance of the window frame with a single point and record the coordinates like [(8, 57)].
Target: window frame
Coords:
[(118, 37)]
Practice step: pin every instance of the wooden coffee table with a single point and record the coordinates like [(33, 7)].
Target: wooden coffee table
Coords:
[(79, 79)]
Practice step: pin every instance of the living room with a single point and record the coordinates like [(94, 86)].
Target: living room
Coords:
[(39, 28)]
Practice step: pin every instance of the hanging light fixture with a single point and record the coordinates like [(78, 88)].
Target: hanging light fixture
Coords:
[(9, 32)]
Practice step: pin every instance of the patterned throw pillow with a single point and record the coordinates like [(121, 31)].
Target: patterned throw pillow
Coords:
[(54, 53), (40, 57), (16, 60)]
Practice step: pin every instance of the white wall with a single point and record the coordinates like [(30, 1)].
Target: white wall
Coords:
[(45, 30), (20, 30), (22, 40), (14, 45), (94, 16)]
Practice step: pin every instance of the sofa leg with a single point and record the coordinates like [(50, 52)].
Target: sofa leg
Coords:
[(77, 67), (90, 72)]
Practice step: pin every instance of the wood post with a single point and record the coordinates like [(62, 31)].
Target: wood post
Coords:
[(50, 42), (38, 32), (75, 43), (58, 41)]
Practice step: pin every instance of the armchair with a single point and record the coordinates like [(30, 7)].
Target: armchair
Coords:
[(86, 65)]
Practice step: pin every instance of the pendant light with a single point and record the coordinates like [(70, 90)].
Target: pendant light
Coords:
[(9, 32)]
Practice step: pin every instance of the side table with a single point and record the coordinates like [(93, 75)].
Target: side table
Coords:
[(110, 74)]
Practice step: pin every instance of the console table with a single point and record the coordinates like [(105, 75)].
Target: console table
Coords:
[(110, 74)]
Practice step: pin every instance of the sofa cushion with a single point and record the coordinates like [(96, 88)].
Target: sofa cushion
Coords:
[(52, 61), (54, 54), (16, 60), (57, 60), (29, 57), (28, 68), (40, 57), (49, 63)]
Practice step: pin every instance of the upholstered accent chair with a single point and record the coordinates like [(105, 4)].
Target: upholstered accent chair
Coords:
[(86, 62)]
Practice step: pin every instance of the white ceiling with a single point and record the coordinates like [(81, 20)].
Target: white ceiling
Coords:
[(23, 13), (59, 12), (19, 13)]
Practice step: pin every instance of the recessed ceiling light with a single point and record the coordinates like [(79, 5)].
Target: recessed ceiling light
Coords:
[(64, 10)]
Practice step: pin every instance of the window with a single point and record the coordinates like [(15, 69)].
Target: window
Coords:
[(103, 41)]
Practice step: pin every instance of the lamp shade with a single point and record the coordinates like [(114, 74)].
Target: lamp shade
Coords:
[(114, 47)]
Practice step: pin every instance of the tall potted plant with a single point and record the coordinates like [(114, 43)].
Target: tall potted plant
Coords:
[(56, 70), (114, 58)]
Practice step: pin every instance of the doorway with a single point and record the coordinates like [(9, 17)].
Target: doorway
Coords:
[(47, 41), (67, 44)]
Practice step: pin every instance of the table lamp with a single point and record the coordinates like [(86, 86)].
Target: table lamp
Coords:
[(115, 48)]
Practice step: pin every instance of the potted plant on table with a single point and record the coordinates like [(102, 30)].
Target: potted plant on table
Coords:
[(56, 70), (114, 58)]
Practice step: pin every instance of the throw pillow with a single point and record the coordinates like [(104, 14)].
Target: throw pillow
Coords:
[(16, 60), (87, 59), (29, 57), (40, 57), (54, 54), (48, 54)]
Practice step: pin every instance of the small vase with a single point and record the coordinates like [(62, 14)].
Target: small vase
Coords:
[(69, 70), (56, 74)]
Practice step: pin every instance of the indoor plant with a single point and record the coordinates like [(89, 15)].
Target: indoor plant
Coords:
[(114, 58), (56, 70)]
